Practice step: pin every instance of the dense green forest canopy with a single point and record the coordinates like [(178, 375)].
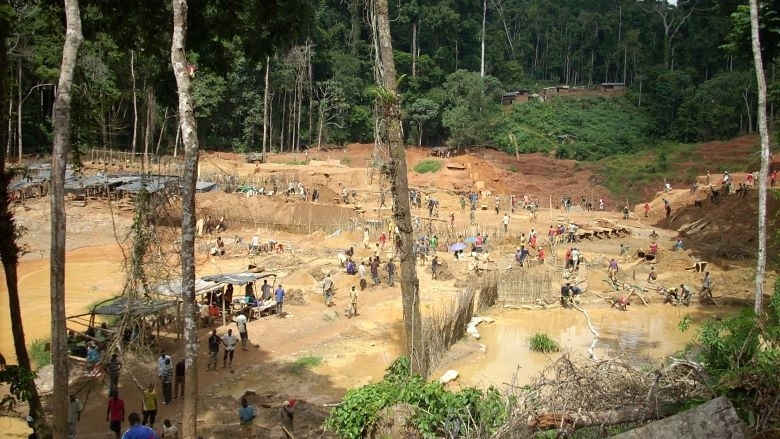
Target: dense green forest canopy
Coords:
[(687, 69)]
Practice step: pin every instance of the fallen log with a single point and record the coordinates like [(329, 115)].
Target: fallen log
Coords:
[(572, 421)]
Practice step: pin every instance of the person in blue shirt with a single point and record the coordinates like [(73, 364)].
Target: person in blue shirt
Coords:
[(138, 431), (246, 417), (279, 295)]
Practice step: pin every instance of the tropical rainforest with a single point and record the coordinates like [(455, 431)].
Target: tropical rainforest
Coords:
[(687, 69)]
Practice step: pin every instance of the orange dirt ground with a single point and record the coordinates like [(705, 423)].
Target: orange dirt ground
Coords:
[(356, 351)]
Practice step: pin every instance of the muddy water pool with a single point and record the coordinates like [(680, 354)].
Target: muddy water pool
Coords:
[(640, 334)]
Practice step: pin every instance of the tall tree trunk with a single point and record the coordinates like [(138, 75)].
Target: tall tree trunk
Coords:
[(399, 186), (9, 232), (189, 135), (150, 107), (763, 130), (135, 106), (59, 159), (414, 48), (19, 102), (265, 104), (482, 55)]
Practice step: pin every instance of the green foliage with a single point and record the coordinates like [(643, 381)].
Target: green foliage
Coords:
[(302, 364), (426, 166), (741, 353), (541, 342), (471, 107), (685, 323), (479, 412), (298, 162), (40, 356), (20, 382), (586, 128)]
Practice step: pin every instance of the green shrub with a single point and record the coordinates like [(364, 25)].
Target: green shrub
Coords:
[(298, 162), (426, 166), (40, 356), (303, 363), (481, 412), (541, 342)]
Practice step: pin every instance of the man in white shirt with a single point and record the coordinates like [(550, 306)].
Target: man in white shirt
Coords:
[(505, 222), (229, 340), (362, 275), (254, 246), (242, 331), (161, 364)]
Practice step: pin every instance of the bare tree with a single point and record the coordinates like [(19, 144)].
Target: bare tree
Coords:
[(189, 136), (763, 130), (59, 159), (673, 17), (9, 248), (389, 133), (332, 107)]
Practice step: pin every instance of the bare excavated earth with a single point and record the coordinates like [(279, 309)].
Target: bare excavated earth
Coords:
[(356, 351)]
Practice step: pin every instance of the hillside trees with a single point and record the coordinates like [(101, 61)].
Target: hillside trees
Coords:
[(471, 108), (124, 89)]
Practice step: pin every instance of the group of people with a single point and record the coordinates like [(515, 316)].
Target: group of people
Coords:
[(139, 428)]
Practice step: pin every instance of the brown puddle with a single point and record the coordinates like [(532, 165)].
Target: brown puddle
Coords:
[(639, 333)]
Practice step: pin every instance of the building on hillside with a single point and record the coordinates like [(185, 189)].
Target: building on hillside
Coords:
[(515, 97), (612, 86)]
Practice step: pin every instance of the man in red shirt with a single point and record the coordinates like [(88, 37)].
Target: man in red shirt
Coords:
[(115, 413)]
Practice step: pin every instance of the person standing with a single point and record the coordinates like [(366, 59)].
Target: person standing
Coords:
[(149, 405), (434, 266), (138, 431), (362, 275), (115, 413), (505, 222), (178, 385), (366, 238), (647, 209), (229, 340), (246, 418), (374, 265), (353, 296), (279, 295), (75, 407), (214, 343), (540, 255), (113, 366), (167, 380), (390, 267), (612, 270), (242, 331), (706, 285), (327, 290), (161, 364)]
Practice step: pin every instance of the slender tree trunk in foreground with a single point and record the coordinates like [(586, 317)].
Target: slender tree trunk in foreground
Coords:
[(399, 186), (189, 135), (59, 159), (9, 232), (763, 130)]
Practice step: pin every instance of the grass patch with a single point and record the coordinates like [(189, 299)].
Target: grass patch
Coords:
[(427, 166), (39, 356), (298, 162), (541, 342), (346, 161), (303, 363)]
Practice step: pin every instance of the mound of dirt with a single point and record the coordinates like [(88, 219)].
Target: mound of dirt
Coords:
[(295, 296), (301, 278)]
